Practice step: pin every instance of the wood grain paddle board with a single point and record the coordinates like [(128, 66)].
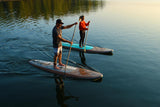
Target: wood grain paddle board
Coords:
[(73, 72)]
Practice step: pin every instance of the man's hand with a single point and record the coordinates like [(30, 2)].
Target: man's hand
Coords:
[(71, 43), (75, 23)]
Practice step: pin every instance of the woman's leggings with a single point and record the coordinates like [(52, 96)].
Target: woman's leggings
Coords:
[(82, 36)]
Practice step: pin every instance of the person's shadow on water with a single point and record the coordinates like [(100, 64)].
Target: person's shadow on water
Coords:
[(60, 93)]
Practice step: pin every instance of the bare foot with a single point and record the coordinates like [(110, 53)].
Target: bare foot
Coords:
[(80, 46), (61, 64), (55, 67)]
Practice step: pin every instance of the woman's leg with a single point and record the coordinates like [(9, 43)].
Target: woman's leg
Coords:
[(80, 41), (83, 36)]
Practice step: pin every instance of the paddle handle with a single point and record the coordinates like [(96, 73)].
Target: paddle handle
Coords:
[(70, 48), (86, 40)]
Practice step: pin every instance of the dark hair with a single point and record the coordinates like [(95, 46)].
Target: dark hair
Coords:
[(80, 18)]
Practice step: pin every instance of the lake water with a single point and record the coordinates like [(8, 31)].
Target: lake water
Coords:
[(131, 74)]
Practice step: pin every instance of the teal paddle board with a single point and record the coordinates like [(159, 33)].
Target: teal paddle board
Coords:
[(77, 46), (89, 49)]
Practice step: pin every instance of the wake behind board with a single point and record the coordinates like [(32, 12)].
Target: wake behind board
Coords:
[(73, 72), (89, 49)]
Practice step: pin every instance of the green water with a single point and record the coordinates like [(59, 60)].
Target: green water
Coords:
[(131, 74)]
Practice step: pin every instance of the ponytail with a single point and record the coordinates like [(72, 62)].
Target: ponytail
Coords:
[(80, 18)]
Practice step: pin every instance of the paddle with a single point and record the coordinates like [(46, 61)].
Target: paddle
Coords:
[(86, 40), (70, 47)]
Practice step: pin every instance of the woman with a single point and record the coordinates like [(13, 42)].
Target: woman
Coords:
[(82, 28)]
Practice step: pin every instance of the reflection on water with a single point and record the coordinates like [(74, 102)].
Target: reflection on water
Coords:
[(60, 92), (46, 8), (83, 59)]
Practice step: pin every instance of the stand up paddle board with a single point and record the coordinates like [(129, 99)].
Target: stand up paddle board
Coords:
[(89, 49), (73, 72)]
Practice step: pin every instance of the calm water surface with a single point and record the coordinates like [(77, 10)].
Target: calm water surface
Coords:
[(131, 74)]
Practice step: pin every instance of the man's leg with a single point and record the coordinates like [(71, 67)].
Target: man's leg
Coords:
[(55, 58), (55, 62), (60, 57)]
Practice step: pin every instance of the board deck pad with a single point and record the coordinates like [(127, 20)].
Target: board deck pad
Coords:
[(71, 71), (77, 46)]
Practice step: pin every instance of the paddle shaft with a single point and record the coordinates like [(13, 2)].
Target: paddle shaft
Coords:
[(70, 48), (86, 40)]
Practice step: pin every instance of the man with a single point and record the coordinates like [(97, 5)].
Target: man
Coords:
[(57, 41)]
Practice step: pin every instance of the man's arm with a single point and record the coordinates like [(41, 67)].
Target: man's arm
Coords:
[(64, 40), (69, 26)]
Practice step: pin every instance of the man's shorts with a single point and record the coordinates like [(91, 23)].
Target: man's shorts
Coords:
[(57, 50)]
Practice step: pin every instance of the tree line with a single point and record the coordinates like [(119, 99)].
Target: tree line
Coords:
[(46, 8)]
